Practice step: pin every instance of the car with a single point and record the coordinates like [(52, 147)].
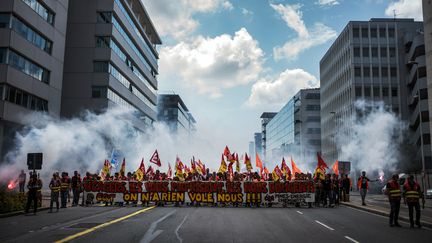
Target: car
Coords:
[(429, 193)]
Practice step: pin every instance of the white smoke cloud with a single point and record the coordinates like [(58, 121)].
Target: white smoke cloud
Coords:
[(373, 141), (83, 144), (405, 9)]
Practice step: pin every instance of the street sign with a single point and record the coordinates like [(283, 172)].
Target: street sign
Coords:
[(344, 167), (34, 161)]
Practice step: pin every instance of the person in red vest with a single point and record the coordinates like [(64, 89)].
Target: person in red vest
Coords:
[(64, 189), (412, 194), (394, 193), (363, 186)]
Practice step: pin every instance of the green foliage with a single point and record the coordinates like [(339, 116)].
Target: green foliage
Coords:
[(11, 200)]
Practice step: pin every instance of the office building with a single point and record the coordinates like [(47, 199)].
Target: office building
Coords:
[(173, 111), (258, 143), (252, 152), (110, 59), (32, 44), (381, 60), (265, 119), (296, 129)]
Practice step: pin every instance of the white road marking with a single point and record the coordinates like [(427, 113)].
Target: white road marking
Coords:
[(299, 212), (351, 239), (150, 235), (328, 227), (178, 227)]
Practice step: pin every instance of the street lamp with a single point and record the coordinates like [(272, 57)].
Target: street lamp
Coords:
[(421, 128)]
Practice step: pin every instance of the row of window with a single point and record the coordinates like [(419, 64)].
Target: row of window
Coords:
[(315, 130), (374, 31), (11, 22), (41, 9), (313, 107), (107, 17), (103, 66), (22, 98), (314, 96), (24, 65), (375, 72), (108, 42), (136, 29), (376, 92), (374, 52)]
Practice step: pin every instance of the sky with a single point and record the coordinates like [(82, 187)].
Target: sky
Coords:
[(231, 60)]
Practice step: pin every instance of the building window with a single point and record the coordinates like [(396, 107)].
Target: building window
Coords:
[(3, 55), (382, 32), (314, 96), (357, 72), (383, 52), (375, 72), (376, 92), (366, 72), (385, 91), (426, 139), (313, 108), (384, 72), (103, 41), (391, 32), (313, 119), (365, 51), (100, 66), (356, 33), (425, 116), (4, 20), (374, 52), (373, 32), (393, 72), (367, 91), (358, 92), (99, 91), (104, 17), (365, 33), (394, 92), (31, 35), (392, 52), (26, 66), (40, 9), (423, 94), (356, 52), (24, 99)]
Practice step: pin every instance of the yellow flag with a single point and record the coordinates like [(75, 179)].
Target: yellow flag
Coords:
[(223, 167)]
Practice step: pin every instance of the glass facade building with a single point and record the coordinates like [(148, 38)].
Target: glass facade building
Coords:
[(173, 112)]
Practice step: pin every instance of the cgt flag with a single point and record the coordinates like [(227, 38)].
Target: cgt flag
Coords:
[(105, 169), (226, 152), (140, 172), (155, 159), (321, 164), (237, 164), (258, 162), (294, 167), (248, 163), (285, 170), (123, 168), (223, 166), (169, 173), (335, 167)]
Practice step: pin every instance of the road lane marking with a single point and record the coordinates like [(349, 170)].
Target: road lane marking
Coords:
[(151, 234), (351, 239), (299, 212), (87, 231), (328, 227), (178, 227)]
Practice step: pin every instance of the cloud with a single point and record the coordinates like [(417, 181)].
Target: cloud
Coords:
[(246, 12), (274, 93), (175, 18), (327, 2), (405, 9), (210, 65), (306, 38)]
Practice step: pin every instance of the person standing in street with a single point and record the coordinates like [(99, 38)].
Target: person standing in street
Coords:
[(363, 186), (32, 187), (76, 188), (394, 193), (64, 189), (21, 181), (412, 194), (55, 190)]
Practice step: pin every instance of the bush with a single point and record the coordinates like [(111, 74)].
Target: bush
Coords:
[(11, 200)]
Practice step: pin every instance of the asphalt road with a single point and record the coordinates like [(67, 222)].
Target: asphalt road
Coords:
[(206, 224)]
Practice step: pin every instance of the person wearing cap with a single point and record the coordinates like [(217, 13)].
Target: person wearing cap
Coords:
[(394, 194), (411, 195), (55, 191)]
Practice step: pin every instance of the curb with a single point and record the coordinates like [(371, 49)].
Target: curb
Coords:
[(11, 214), (382, 213)]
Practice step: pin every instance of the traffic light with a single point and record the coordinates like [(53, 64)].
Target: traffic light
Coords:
[(34, 161)]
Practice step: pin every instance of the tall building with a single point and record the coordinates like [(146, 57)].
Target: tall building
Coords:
[(265, 119), (173, 111), (296, 129), (377, 60), (427, 32), (111, 59), (252, 151), (32, 44), (258, 143)]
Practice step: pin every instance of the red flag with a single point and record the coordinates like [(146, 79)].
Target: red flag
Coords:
[(230, 170), (226, 151), (169, 173), (286, 170), (155, 159), (231, 157), (237, 164), (263, 175), (258, 162), (335, 167), (193, 167), (150, 171), (294, 167), (248, 163), (321, 164)]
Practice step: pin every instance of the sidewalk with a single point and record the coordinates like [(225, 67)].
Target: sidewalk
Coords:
[(378, 204)]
